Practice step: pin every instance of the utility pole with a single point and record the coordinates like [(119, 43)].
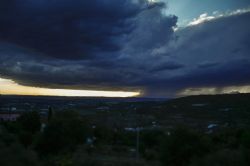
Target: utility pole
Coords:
[(137, 132), (1, 101), (137, 143)]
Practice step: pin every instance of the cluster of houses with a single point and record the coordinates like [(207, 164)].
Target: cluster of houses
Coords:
[(9, 116), (9, 113)]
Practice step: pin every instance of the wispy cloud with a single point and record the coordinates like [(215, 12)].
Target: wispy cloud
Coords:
[(202, 18), (215, 15)]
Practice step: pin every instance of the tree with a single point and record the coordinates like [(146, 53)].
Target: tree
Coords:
[(50, 113), (13, 153), (30, 122), (27, 125), (181, 146), (64, 132)]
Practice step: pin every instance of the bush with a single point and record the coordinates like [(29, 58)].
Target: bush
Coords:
[(224, 157), (183, 145)]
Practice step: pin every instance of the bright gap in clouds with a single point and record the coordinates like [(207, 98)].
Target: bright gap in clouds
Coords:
[(9, 87), (216, 14), (152, 1)]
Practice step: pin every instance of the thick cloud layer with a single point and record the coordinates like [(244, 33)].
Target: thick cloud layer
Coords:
[(131, 46), (69, 29), (214, 53)]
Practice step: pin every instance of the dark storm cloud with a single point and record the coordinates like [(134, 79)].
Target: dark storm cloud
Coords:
[(230, 74), (208, 64), (153, 30), (119, 22), (167, 66), (207, 51), (149, 55), (70, 29)]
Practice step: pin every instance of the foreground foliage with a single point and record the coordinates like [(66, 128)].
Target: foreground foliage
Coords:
[(63, 143)]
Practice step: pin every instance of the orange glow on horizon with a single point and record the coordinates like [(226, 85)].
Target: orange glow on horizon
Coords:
[(10, 87)]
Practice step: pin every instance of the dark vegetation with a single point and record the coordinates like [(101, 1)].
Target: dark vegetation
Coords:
[(68, 138)]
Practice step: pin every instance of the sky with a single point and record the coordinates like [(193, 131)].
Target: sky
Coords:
[(124, 48), (187, 10)]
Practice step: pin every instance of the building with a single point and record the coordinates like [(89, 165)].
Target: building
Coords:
[(11, 117)]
